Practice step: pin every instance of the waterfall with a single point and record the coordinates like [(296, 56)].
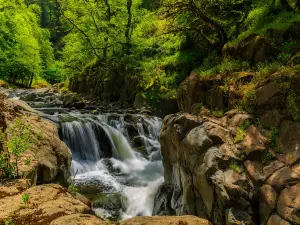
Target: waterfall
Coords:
[(107, 163)]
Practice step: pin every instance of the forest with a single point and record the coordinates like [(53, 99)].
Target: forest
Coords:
[(156, 44)]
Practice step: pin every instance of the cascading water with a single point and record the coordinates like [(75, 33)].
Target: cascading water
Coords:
[(120, 175)]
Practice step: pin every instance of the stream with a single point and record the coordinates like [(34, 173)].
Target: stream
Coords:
[(116, 159)]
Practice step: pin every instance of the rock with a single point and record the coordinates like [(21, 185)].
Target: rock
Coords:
[(253, 141), (53, 157), (189, 93), (277, 220), (235, 216), (271, 168), (73, 100), (289, 204), (13, 187), (289, 141), (171, 220), (140, 101), (162, 201), (255, 170), (267, 202), (165, 107), (265, 93), (46, 203), (282, 178), (78, 219), (255, 48), (270, 118)]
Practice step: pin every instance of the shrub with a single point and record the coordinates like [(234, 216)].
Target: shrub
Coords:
[(25, 198), (17, 139)]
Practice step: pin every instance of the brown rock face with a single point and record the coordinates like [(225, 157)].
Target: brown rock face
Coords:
[(289, 204), (78, 219), (208, 175), (46, 203), (50, 157), (159, 220), (267, 202), (277, 220)]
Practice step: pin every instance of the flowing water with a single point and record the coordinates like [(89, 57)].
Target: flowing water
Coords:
[(122, 177), (116, 158)]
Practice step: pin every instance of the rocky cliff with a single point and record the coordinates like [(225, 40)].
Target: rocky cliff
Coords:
[(227, 165)]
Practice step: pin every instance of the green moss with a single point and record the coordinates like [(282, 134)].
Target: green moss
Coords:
[(292, 106), (235, 167), (218, 113), (274, 140)]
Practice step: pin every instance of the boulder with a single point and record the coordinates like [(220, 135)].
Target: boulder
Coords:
[(267, 202), (171, 220), (52, 156), (277, 220), (13, 187), (46, 203), (282, 178), (290, 142), (265, 93), (78, 219), (255, 48), (288, 206)]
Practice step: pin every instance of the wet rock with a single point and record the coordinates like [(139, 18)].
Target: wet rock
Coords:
[(236, 216), (162, 201)]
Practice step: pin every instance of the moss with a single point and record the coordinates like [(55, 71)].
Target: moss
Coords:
[(274, 140), (218, 113), (235, 167), (292, 106)]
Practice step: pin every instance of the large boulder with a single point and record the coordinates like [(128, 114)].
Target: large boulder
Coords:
[(209, 175), (171, 220), (51, 157), (78, 219), (46, 203)]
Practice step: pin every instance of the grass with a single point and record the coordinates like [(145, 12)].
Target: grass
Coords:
[(242, 131)]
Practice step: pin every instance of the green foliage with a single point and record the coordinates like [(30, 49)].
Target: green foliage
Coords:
[(9, 222), (274, 140), (292, 106), (218, 113), (242, 131), (266, 69), (25, 198), (25, 49), (72, 188), (235, 167), (213, 65), (17, 139)]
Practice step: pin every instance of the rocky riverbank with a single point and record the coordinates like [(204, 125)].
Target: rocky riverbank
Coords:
[(229, 166)]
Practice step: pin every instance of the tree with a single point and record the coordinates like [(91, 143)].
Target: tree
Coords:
[(25, 49), (215, 22)]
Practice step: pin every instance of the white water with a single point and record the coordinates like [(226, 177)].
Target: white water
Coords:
[(102, 154)]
